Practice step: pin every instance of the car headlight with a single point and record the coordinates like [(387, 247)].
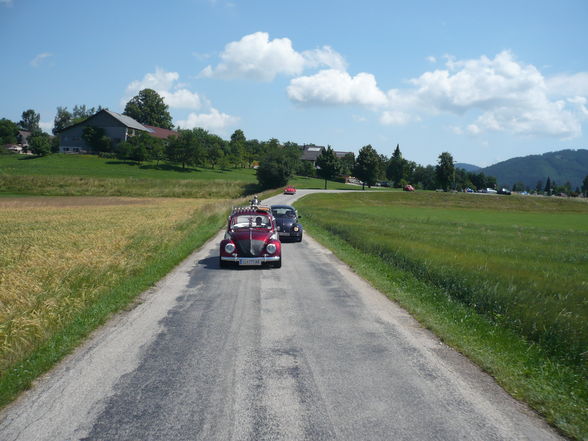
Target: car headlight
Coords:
[(271, 248), (230, 247), (295, 228)]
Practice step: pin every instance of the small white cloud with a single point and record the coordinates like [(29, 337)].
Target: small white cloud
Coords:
[(36, 62), (335, 87), (396, 118), (359, 118), (431, 59), (214, 120), (256, 57)]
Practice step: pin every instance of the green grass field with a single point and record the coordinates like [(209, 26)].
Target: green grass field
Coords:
[(89, 175), (503, 279)]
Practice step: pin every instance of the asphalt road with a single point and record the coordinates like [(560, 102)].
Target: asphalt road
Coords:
[(305, 352)]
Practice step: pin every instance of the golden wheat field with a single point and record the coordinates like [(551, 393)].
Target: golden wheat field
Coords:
[(57, 254)]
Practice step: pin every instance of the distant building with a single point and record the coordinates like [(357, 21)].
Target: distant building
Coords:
[(117, 127), (311, 152)]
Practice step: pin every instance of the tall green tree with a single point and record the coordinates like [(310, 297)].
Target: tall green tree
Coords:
[(585, 186), (63, 119), (396, 167), (366, 166), (548, 186), (8, 131), (275, 168), (328, 166), (445, 170), (148, 107), (30, 120), (237, 148)]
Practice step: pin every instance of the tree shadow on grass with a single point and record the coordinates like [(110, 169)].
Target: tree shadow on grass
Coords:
[(170, 167)]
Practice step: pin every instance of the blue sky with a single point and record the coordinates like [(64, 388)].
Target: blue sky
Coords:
[(485, 81)]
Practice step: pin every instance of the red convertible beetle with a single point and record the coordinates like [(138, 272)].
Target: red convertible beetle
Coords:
[(290, 190), (251, 239)]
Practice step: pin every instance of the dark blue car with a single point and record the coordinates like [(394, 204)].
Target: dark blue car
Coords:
[(287, 222)]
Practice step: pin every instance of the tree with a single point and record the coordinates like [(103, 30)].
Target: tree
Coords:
[(183, 148), (30, 120), (347, 163), (585, 186), (63, 119), (366, 166), (96, 139), (149, 108), (237, 147), (8, 131), (445, 170), (328, 165), (548, 186), (274, 169), (40, 143), (396, 167)]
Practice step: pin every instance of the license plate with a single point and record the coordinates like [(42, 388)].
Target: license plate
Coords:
[(249, 262)]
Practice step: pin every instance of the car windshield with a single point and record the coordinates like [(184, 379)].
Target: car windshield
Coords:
[(283, 212), (251, 220)]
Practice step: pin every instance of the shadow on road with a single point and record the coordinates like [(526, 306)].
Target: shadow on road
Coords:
[(212, 263)]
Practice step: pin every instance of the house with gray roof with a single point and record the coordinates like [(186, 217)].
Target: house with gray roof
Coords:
[(311, 152), (117, 127)]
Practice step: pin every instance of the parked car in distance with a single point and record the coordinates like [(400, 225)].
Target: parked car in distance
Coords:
[(469, 190), (251, 239), (287, 222), (504, 191), (408, 188), (289, 190)]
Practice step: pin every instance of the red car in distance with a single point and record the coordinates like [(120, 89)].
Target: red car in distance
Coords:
[(289, 190), (251, 239), (408, 188)]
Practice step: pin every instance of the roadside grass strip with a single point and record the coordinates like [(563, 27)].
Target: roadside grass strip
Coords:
[(503, 280), (67, 264)]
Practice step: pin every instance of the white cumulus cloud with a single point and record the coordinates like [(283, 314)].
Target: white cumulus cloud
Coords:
[(335, 87), (167, 85), (213, 120), (510, 95), (256, 57)]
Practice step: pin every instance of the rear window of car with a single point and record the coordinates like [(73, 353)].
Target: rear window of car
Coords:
[(281, 212)]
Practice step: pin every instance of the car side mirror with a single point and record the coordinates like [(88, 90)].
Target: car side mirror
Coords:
[(299, 216)]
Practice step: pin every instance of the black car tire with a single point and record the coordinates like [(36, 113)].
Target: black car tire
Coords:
[(278, 264), (299, 239)]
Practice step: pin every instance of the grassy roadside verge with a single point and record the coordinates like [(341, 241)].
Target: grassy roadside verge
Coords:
[(66, 303), (555, 389)]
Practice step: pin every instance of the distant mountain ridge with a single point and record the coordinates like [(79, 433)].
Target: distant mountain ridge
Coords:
[(561, 167), (468, 167)]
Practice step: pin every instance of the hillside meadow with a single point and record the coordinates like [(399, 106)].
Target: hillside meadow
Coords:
[(90, 175), (66, 263), (504, 279)]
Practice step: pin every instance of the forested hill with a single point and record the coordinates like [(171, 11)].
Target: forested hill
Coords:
[(563, 166)]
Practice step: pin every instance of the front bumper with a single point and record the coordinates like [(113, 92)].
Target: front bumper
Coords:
[(251, 259)]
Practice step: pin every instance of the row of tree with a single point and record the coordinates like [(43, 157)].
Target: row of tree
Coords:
[(371, 168)]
